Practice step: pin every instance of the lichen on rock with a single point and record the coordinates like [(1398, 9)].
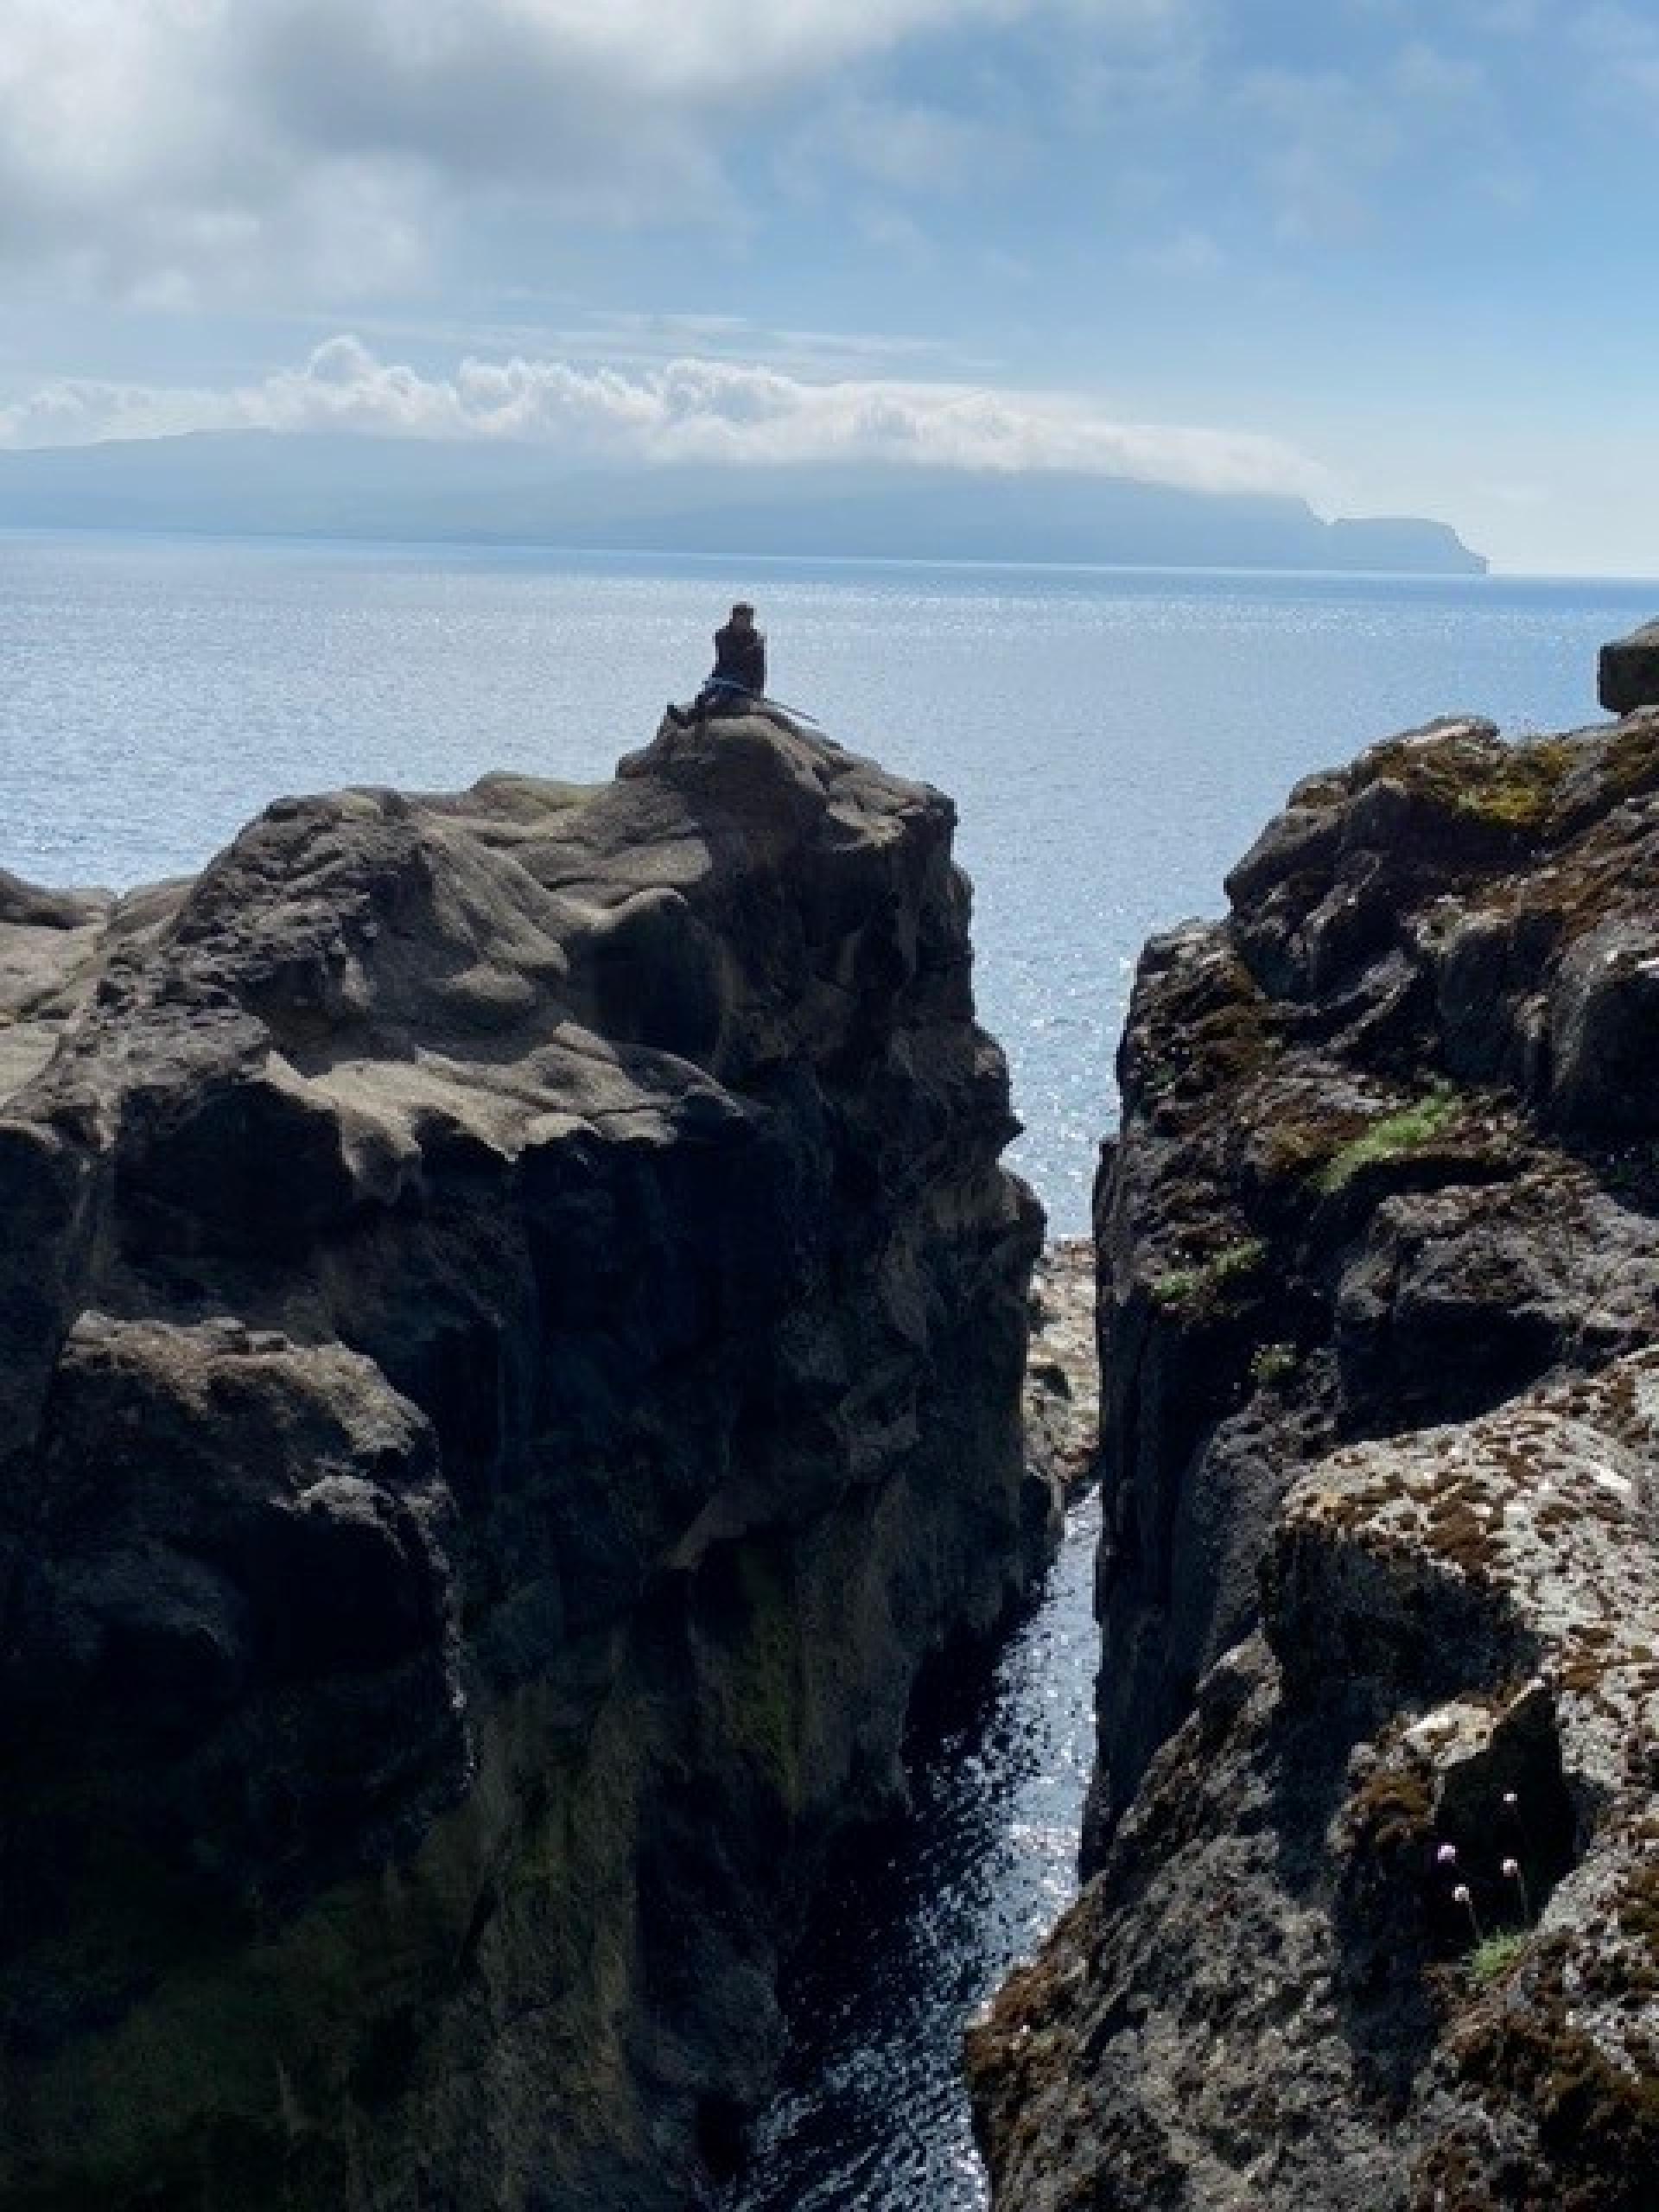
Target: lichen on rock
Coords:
[(1379, 1585)]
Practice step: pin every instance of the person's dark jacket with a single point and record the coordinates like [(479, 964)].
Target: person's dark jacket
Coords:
[(741, 657)]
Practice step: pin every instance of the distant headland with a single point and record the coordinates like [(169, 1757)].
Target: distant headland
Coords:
[(260, 484)]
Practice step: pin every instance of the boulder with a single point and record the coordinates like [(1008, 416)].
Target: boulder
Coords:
[(1627, 674)]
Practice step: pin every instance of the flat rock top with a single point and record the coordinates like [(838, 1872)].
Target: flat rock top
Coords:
[(489, 956)]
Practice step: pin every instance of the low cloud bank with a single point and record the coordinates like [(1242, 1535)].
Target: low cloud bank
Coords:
[(687, 411)]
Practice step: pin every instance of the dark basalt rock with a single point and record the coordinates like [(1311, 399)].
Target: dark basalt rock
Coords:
[(1627, 676), (511, 1344), (1379, 1252)]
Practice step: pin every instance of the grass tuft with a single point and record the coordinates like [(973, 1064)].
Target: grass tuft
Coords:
[(1205, 1282), (1272, 1364), (1395, 1137), (1495, 1956)]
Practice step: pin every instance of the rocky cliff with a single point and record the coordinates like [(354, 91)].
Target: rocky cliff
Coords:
[(511, 1336), (1373, 1919)]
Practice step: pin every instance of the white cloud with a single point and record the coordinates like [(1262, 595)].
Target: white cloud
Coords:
[(631, 338), (693, 409), (214, 143)]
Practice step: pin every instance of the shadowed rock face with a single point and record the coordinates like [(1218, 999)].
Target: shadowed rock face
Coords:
[(511, 1336), (1379, 1252)]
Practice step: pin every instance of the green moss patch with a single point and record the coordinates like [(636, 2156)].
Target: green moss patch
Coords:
[(767, 1698), (1273, 1365), (1414, 1128), (1632, 761), (1514, 789), (1209, 1282), (1523, 794), (1495, 1956), (1299, 1142)]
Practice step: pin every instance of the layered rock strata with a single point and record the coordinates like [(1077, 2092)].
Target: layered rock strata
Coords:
[(510, 1340), (1373, 1916)]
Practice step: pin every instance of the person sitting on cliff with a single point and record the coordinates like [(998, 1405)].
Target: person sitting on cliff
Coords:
[(740, 672)]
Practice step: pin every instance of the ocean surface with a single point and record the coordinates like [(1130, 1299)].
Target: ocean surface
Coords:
[(1114, 740)]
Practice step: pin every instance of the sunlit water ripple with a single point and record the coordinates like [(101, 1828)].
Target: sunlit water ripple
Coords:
[(872, 2112)]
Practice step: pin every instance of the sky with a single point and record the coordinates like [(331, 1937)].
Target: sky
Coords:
[(1393, 256)]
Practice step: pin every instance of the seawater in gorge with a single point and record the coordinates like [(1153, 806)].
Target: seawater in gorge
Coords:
[(1113, 741), (918, 1927)]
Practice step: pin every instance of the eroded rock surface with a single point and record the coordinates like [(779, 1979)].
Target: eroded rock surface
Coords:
[(510, 1339), (1062, 1370), (1380, 1293)]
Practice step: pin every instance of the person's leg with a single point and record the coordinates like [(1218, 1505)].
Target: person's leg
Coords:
[(688, 717), (727, 701)]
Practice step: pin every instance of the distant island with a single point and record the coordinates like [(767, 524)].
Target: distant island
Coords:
[(260, 483)]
